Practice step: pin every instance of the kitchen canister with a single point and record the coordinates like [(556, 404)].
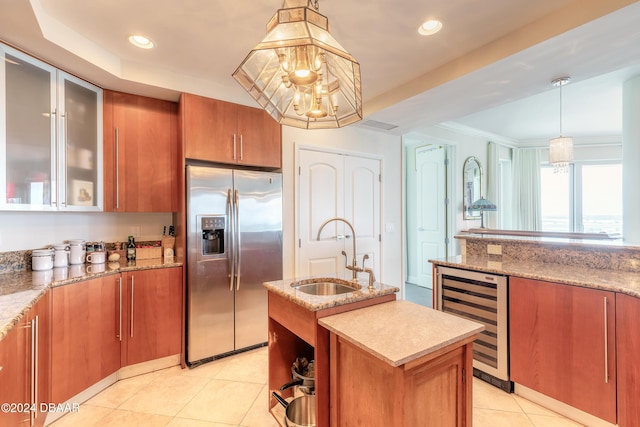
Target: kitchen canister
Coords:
[(61, 255), (42, 259), (76, 251)]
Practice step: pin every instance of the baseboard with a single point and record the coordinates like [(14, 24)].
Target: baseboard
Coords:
[(150, 366), (122, 373), (560, 407)]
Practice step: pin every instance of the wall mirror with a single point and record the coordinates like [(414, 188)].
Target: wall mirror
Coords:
[(472, 186)]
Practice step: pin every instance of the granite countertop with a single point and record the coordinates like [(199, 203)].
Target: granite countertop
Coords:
[(320, 302), (20, 290), (399, 332), (609, 280)]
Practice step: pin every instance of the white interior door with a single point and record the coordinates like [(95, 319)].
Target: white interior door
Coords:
[(337, 185), (321, 196), (431, 215), (362, 208)]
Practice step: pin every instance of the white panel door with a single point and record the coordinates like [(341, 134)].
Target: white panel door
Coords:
[(362, 208), (320, 197), (337, 185), (431, 194)]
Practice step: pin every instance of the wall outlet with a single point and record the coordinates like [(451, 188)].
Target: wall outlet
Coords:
[(390, 227), (135, 231), (494, 249)]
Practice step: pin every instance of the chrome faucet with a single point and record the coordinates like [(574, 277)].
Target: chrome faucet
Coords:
[(354, 263)]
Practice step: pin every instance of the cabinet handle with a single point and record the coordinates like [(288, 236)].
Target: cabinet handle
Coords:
[(54, 191), (234, 147), (120, 310), (117, 167), (606, 344), (34, 370), (241, 149), (66, 159), (132, 299)]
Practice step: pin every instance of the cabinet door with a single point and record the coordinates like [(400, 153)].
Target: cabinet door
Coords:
[(13, 375), (154, 311), (628, 348), (40, 317), (563, 344), (85, 343), (141, 151), (79, 144), (27, 132), (209, 129), (260, 141)]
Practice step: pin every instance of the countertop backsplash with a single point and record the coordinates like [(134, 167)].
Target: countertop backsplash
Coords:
[(13, 261)]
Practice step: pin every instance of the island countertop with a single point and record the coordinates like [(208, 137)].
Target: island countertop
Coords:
[(399, 332), (321, 302)]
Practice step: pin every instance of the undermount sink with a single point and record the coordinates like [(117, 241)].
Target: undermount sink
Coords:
[(325, 286)]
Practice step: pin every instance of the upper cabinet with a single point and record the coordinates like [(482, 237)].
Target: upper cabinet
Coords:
[(140, 154), (224, 132), (50, 137)]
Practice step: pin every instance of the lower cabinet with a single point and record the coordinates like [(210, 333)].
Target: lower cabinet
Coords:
[(153, 314), (562, 343), (102, 324), (85, 335), (25, 367), (433, 390), (628, 349)]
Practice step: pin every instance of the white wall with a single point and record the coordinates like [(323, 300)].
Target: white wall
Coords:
[(351, 139), (30, 230)]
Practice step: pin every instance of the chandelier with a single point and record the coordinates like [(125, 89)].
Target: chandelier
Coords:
[(561, 148), (300, 74)]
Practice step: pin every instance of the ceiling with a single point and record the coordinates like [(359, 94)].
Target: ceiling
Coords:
[(490, 67)]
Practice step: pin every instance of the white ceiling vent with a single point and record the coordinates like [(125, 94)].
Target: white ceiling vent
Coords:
[(378, 125)]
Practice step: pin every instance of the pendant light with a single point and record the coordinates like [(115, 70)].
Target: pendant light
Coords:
[(561, 148), (300, 74)]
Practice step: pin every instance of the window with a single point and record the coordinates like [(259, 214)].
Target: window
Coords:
[(587, 199)]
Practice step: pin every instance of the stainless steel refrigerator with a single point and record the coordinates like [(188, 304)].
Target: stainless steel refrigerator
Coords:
[(234, 244)]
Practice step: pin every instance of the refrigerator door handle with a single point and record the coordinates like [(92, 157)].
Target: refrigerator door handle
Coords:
[(230, 257), (237, 230)]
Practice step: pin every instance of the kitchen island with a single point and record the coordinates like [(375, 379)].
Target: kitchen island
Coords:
[(423, 352)]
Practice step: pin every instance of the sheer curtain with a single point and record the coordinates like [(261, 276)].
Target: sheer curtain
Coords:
[(526, 189), (493, 185)]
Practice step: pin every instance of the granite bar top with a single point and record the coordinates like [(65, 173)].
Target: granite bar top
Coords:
[(321, 302), (399, 332), (20, 290), (598, 278)]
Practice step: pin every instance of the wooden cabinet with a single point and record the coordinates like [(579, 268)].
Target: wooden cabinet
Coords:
[(368, 391), (294, 332), (85, 335), (224, 132), (562, 342), (102, 324), (152, 314), (628, 348), (25, 368), (13, 360), (140, 154)]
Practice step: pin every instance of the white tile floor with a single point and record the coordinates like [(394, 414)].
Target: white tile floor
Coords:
[(233, 392)]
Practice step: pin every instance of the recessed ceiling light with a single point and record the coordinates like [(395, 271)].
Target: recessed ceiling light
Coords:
[(430, 27), (141, 41)]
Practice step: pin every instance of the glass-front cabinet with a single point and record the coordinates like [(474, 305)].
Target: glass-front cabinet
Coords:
[(50, 137)]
